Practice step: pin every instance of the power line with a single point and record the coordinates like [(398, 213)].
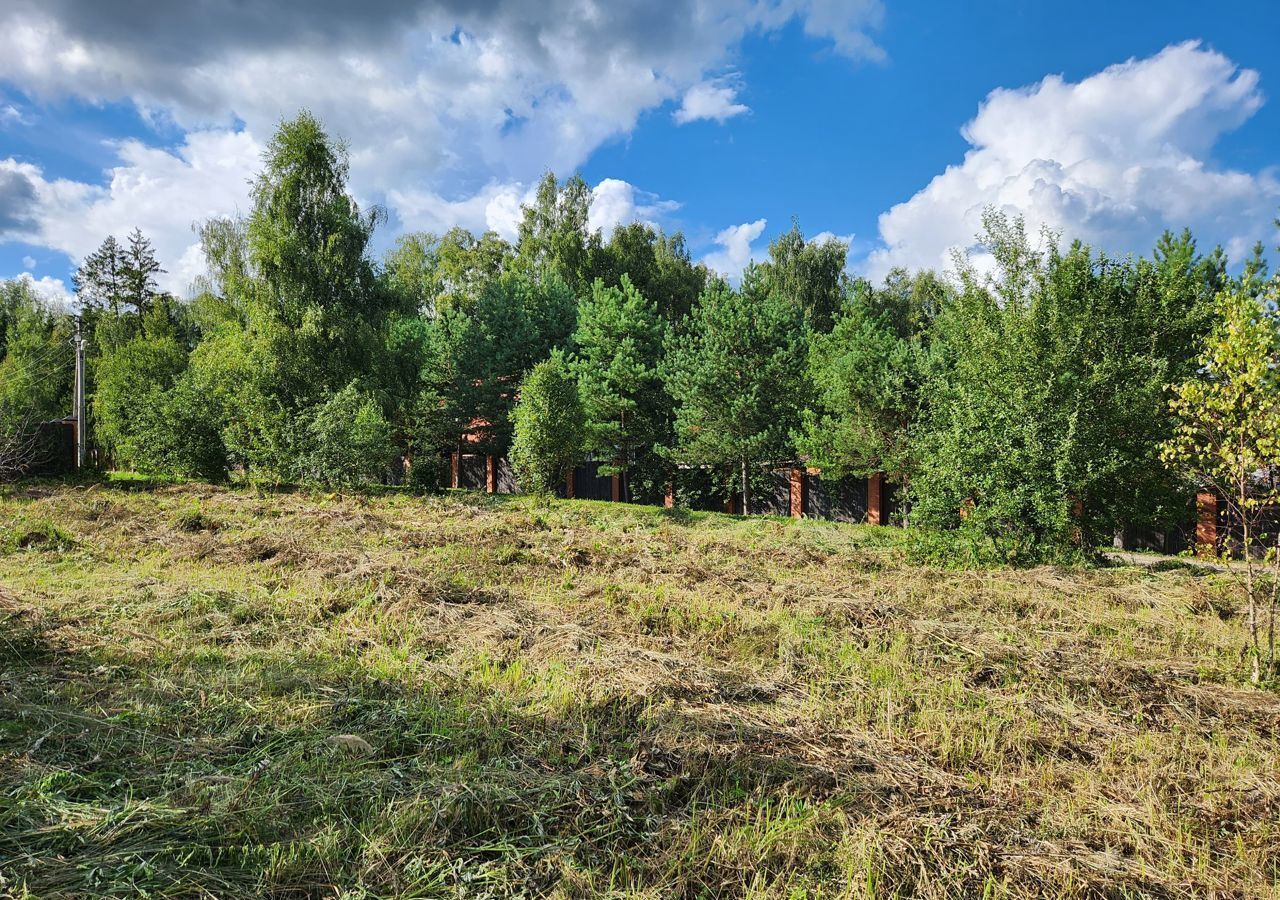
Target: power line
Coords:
[(30, 369)]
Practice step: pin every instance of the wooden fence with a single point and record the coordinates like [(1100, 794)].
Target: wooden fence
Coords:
[(795, 491)]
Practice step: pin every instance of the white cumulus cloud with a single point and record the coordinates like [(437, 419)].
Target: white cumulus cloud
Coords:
[(616, 202), (716, 99), (449, 108), (52, 290), (735, 248), (1113, 159), (161, 192)]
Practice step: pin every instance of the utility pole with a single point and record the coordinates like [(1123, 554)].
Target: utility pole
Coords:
[(79, 398)]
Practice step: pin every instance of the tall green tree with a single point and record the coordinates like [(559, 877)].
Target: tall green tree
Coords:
[(1045, 422), (303, 312), (810, 274), (555, 237), (658, 265), (35, 358), (619, 350), (100, 280), (452, 270), (138, 272), (459, 394), (868, 376), (147, 412), (737, 376), (315, 295)]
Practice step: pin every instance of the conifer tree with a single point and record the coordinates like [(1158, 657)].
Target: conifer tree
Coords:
[(138, 272), (737, 376), (100, 279), (619, 347)]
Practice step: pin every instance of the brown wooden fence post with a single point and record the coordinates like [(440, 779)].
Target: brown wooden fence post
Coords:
[(1206, 523), (875, 499), (455, 462), (490, 475), (568, 485), (669, 498), (799, 490)]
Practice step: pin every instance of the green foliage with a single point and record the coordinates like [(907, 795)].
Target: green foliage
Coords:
[(619, 346), (737, 375), (434, 274), (658, 265), (1228, 439), (35, 359), (314, 302), (148, 412), (868, 378), (549, 422), (1032, 399), (132, 382), (1046, 414), (1229, 414), (100, 279), (138, 273), (347, 439), (809, 274), (555, 238)]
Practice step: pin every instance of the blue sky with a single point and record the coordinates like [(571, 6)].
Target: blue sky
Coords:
[(870, 122)]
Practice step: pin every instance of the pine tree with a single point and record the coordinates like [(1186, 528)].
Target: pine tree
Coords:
[(619, 345), (100, 280), (737, 376), (138, 272)]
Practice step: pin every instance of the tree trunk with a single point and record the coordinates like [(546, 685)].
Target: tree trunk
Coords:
[(904, 482), (1245, 524), (746, 492)]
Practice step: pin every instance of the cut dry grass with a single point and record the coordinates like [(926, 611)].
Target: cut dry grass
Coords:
[(207, 692)]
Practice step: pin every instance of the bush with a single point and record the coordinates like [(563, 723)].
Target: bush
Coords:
[(549, 424), (151, 416), (348, 441)]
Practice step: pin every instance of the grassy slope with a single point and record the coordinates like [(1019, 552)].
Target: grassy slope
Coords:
[(597, 699)]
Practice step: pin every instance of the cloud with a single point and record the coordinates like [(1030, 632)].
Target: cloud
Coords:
[(735, 248), (616, 202), (29, 262), (715, 99), (449, 106), (495, 207), (823, 237), (472, 92), (17, 198), (1113, 159), (52, 290), (159, 191)]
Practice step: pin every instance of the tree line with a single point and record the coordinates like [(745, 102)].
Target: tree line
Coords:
[(1025, 403)]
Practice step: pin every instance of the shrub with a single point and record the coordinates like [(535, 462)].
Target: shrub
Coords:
[(348, 440), (549, 424)]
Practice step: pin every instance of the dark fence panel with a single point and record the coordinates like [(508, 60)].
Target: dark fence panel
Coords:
[(506, 478), (589, 484), (471, 472), (840, 500), (54, 450), (774, 498)]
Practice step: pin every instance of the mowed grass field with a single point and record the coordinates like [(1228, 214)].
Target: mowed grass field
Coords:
[(208, 692)]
